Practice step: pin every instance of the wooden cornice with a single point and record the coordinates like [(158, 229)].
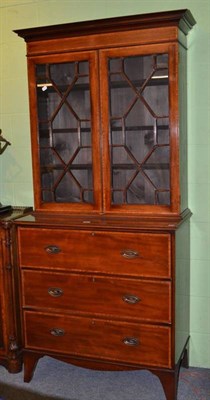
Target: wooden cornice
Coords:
[(182, 19)]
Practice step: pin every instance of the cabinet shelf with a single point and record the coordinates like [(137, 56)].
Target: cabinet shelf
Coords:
[(148, 166), (161, 81), (140, 128), (159, 166), (139, 83), (45, 132), (59, 167), (46, 88)]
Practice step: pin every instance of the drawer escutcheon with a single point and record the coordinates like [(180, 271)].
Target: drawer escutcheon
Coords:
[(128, 253), (55, 292), (131, 299), (131, 341), (57, 332), (52, 249)]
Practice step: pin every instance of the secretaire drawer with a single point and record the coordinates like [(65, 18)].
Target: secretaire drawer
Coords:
[(128, 299), (107, 340), (141, 254)]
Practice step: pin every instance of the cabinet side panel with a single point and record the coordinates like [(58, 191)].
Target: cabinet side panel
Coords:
[(183, 126), (182, 288)]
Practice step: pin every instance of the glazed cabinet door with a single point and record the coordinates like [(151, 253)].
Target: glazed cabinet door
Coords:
[(140, 126), (108, 128), (65, 131)]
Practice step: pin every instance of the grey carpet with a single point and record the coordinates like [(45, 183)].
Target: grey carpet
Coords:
[(57, 380)]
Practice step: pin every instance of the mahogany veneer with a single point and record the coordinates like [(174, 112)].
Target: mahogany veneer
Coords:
[(103, 261)]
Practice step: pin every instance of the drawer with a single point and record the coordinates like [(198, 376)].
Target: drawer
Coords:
[(127, 343), (118, 297), (132, 254)]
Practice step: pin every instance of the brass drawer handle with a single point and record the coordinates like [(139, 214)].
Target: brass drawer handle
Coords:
[(129, 253), (55, 292), (53, 249), (131, 299), (131, 341), (57, 332)]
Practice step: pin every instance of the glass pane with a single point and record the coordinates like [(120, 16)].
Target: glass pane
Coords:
[(139, 129), (64, 117)]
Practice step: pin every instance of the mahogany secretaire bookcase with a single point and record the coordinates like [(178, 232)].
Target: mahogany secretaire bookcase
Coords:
[(104, 258)]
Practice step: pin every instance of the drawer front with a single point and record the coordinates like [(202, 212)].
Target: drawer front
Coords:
[(128, 343), (132, 254), (122, 298)]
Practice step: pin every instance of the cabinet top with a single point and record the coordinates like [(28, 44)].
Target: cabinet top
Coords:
[(104, 222), (182, 19)]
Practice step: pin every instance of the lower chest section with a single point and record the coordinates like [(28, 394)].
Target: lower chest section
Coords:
[(100, 295)]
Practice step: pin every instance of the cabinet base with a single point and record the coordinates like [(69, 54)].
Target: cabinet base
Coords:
[(168, 378)]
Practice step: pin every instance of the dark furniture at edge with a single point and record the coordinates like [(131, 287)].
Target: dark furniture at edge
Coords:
[(10, 335)]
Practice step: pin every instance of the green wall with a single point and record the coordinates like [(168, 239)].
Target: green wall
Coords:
[(15, 164)]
